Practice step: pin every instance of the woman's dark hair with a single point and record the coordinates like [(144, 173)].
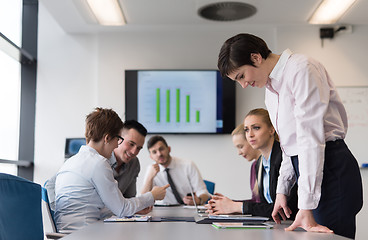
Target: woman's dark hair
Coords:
[(237, 50), (101, 122)]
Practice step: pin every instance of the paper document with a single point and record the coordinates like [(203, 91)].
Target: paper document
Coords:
[(194, 207), (134, 218)]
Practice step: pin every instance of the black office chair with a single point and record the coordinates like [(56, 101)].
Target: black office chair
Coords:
[(20, 209)]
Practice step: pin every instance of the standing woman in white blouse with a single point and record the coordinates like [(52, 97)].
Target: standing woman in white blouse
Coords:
[(311, 121)]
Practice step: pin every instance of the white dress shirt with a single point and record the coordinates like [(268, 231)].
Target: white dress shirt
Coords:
[(185, 176), (306, 112), (86, 192)]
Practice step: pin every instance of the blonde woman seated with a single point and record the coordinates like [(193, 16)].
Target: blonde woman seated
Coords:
[(261, 135), (250, 154)]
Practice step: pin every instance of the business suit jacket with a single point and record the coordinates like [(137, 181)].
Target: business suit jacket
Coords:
[(263, 208)]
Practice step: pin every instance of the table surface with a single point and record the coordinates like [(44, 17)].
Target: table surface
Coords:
[(186, 230)]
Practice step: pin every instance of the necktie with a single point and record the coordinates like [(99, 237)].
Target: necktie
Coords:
[(173, 188)]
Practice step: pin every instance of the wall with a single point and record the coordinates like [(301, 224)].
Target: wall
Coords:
[(78, 72), (66, 91)]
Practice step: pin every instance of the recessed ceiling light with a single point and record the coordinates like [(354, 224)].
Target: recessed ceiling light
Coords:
[(330, 11), (107, 12)]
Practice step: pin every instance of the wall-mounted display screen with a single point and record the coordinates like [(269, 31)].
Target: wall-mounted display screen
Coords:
[(180, 101)]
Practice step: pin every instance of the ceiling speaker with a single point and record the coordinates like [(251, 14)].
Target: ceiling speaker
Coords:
[(227, 11)]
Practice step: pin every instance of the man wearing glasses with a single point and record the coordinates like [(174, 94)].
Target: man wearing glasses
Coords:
[(124, 161)]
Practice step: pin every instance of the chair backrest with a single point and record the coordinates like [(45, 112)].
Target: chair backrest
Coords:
[(20, 209), (210, 186), (50, 212), (50, 189)]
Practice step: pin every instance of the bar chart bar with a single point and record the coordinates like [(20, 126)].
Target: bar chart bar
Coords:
[(158, 105), (178, 105), (187, 108), (197, 116), (167, 99), (168, 105)]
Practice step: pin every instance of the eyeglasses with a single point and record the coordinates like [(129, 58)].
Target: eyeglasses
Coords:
[(120, 140)]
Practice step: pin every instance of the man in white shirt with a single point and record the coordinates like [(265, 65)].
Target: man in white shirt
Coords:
[(182, 175)]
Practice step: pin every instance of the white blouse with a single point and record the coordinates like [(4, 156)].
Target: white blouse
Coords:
[(306, 112)]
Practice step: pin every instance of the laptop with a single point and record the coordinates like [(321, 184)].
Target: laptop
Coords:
[(201, 212)]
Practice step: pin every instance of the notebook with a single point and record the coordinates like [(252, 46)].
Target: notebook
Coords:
[(229, 218), (159, 204), (242, 225), (239, 217)]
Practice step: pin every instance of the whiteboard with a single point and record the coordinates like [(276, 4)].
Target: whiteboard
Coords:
[(355, 100)]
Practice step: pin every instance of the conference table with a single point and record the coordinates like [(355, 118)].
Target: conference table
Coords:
[(181, 230)]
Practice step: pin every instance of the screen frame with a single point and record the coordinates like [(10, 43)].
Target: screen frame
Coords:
[(227, 102)]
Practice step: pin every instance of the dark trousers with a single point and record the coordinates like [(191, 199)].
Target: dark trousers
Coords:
[(342, 190)]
